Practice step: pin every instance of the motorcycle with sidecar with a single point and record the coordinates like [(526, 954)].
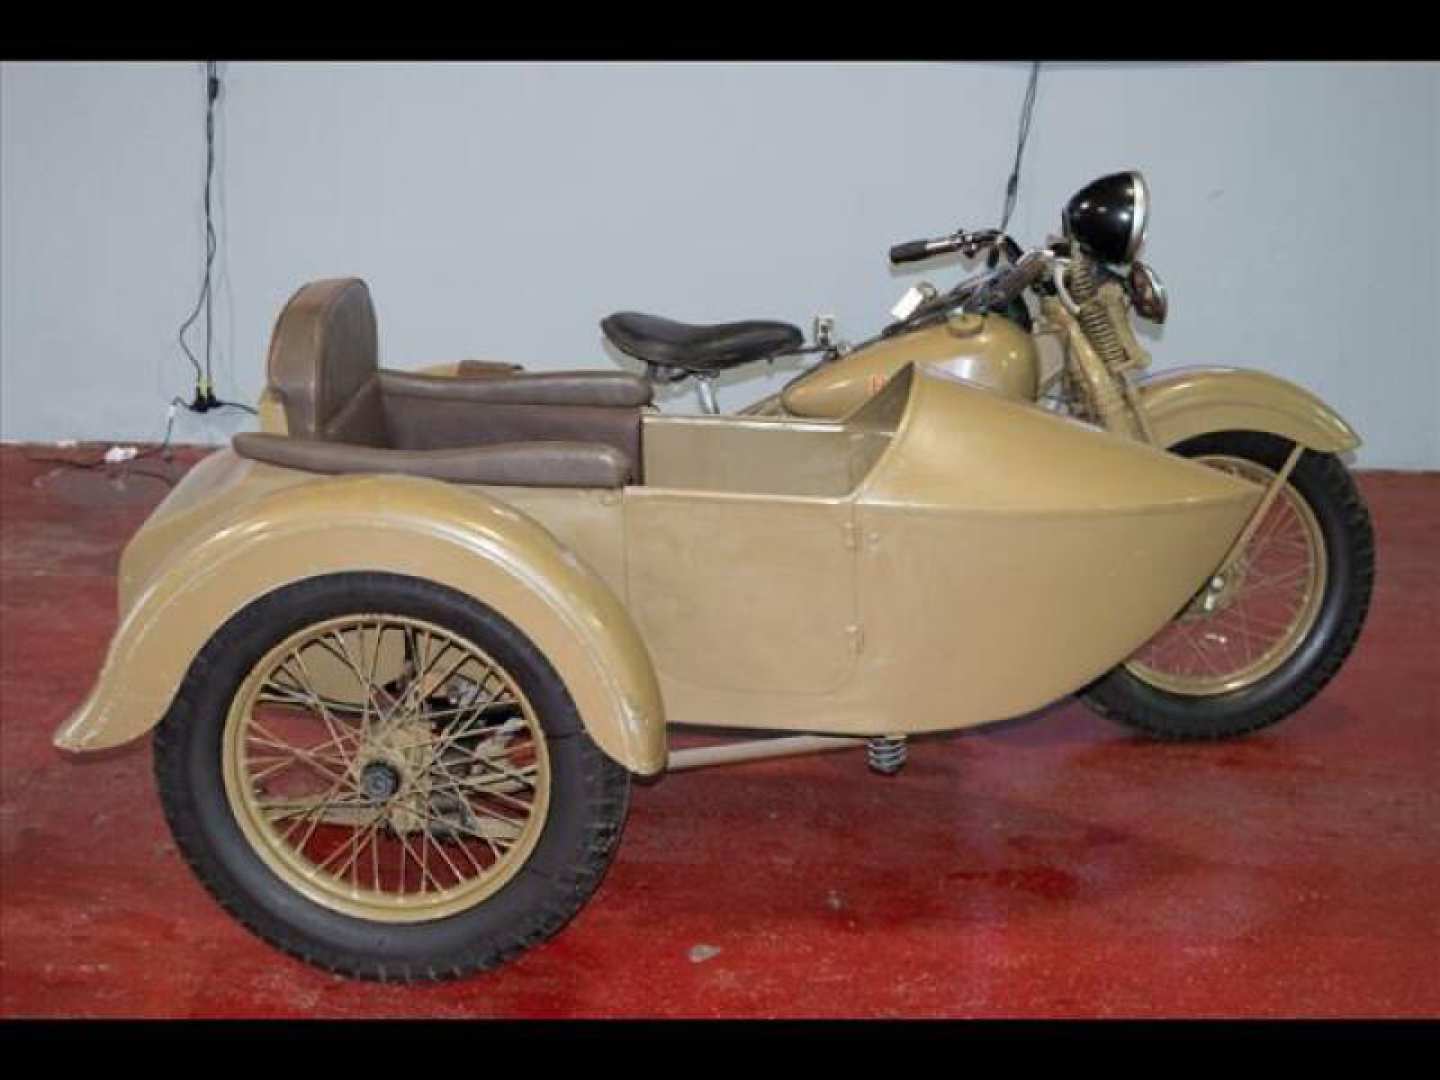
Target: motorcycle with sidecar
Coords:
[(404, 648)]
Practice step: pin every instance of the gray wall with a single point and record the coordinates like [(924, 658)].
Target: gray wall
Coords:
[(502, 210)]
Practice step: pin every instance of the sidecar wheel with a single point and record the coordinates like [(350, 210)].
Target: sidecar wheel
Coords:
[(1250, 651), (386, 779)]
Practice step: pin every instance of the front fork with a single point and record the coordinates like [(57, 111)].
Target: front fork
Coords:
[(1101, 389)]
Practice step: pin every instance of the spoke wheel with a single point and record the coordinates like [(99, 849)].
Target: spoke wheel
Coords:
[(396, 796), (1263, 638), (386, 779), (1245, 624)]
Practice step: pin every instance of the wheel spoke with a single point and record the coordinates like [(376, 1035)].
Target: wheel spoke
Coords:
[(348, 845), (426, 878), (456, 827), (1242, 628), (315, 821), (461, 789), (316, 701), (308, 757), (367, 688), (420, 811), (386, 767)]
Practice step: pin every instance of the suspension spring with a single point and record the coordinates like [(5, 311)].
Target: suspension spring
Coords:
[(1093, 317), (886, 754)]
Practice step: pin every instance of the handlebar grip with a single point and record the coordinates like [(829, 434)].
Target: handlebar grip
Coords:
[(910, 251)]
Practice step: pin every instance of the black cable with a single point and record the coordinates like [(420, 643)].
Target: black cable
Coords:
[(1012, 187), (205, 398), (43, 460), (100, 462), (204, 392), (124, 466), (164, 446)]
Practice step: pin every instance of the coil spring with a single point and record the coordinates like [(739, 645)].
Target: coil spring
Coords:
[(886, 754), (1094, 319)]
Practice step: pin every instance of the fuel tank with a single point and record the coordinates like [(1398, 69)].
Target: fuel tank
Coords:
[(990, 350)]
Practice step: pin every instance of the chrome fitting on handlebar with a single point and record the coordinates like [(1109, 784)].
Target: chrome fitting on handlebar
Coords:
[(1059, 268), (1004, 285)]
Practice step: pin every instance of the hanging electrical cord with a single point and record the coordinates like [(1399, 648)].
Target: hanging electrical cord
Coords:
[(1012, 186), (203, 301), (205, 398)]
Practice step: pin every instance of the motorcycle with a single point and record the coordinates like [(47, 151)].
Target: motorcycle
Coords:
[(404, 648), (1210, 672)]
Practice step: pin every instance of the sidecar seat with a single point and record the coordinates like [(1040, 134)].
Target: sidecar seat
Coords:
[(346, 414)]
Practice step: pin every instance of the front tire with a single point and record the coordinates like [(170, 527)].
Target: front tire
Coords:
[(1247, 653), (386, 779)]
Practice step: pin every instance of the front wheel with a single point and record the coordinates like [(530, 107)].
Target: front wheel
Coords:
[(1261, 640), (386, 779)]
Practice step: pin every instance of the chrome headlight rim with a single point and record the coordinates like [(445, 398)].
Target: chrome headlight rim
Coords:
[(1109, 217), (1139, 214)]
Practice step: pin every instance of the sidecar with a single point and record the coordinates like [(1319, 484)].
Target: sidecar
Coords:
[(942, 557), (467, 605)]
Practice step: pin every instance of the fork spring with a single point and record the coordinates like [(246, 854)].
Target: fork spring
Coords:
[(1093, 317)]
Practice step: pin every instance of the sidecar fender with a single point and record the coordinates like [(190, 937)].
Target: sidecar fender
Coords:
[(478, 545), (1185, 402)]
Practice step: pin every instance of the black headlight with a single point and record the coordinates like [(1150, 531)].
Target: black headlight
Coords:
[(1107, 217)]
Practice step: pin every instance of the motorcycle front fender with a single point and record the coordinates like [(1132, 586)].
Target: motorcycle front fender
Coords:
[(1185, 402)]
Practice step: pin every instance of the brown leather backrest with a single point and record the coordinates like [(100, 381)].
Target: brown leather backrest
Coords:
[(323, 354)]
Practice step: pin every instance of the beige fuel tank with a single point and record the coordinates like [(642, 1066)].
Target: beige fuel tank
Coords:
[(989, 350)]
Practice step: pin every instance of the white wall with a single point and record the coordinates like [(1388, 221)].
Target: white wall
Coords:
[(502, 209)]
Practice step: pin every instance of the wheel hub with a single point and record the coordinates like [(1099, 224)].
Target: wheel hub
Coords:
[(1219, 592), (379, 780), (375, 795)]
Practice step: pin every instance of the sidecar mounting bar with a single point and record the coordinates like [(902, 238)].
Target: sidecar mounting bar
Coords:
[(1258, 514), (758, 750)]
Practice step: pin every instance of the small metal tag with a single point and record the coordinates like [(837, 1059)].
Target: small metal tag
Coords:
[(908, 303)]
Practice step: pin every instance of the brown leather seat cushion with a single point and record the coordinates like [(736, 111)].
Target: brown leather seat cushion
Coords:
[(530, 464), (345, 414), (616, 389), (438, 424)]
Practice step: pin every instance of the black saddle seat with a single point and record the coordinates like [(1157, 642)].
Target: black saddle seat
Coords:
[(700, 350)]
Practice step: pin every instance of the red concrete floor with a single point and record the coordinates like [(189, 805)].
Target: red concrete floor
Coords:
[(1053, 866)]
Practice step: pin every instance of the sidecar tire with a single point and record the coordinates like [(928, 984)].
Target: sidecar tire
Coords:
[(588, 796), (1328, 489)]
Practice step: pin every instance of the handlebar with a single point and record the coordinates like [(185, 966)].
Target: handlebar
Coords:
[(915, 250), (988, 292), (960, 240), (1010, 284)]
